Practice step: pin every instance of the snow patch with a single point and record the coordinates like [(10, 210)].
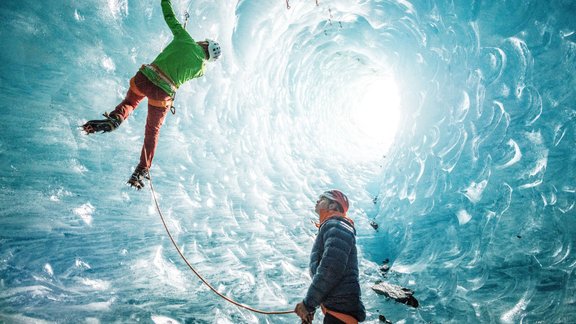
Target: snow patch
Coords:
[(85, 212), (48, 269), (475, 190), (463, 216)]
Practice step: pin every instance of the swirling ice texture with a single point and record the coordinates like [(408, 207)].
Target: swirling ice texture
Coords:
[(475, 198)]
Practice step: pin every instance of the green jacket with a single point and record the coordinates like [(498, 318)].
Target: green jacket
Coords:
[(182, 60)]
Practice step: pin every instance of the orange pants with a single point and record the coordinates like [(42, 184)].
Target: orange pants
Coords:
[(142, 87)]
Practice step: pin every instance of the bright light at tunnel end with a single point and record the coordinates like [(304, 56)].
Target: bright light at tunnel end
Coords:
[(376, 113)]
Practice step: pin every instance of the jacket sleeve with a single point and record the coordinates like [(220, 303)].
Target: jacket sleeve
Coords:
[(170, 18), (337, 245)]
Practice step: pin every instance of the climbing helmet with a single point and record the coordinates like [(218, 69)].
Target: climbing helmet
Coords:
[(337, 196), (214, 50)]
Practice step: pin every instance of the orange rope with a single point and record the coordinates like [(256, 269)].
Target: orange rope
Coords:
[(196, 272)]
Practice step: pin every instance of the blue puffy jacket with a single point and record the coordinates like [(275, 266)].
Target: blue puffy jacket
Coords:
[(334, 270)]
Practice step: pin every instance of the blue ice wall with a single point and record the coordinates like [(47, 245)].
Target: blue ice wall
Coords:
[(478, 195), (475, 198)]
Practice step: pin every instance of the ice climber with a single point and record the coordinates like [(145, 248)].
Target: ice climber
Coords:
[(182, 60), (333, 266)]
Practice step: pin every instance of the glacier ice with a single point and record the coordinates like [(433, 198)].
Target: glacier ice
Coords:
[(474, 197)]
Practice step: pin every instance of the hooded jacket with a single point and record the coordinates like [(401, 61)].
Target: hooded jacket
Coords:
[(182, 60), (334, 269)]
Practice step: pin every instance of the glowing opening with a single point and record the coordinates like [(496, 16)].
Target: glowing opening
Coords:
[(361, 118), (376, 113)]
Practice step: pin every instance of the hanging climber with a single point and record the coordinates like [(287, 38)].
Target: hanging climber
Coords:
[(182, 60), (333, 266)]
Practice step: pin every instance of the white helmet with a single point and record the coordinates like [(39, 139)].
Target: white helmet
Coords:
[(213, 50)]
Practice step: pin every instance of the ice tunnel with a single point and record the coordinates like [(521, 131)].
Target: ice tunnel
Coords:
[(449, 124)]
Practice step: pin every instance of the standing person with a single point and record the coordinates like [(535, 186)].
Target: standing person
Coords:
[(333, 266), (182, 60)]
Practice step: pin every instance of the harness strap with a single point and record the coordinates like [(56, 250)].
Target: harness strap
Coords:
[(156, 103), (161, 75), (348, 319)]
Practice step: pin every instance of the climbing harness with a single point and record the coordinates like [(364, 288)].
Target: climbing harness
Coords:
[(158, 72), (156, 103), (345, 318), (196, 272), (168, 104)]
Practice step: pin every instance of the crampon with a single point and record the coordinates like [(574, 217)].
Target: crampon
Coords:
[(137, 178), (102, 125)]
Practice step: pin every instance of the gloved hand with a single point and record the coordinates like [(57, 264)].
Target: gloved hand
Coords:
[(302, 312)]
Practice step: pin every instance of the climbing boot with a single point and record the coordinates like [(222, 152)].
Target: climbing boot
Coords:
[(137, 178), (103, 125)]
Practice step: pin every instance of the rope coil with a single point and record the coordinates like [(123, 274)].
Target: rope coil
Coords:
[(196, 272)]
